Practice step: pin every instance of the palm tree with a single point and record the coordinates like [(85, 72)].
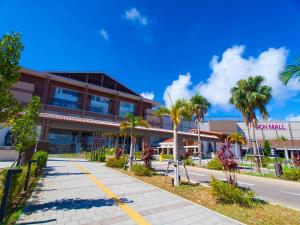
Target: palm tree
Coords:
[(248, 96), (291, 71), (131, 123), (200, 106), (181, 109), (237, 138), (283, 140)]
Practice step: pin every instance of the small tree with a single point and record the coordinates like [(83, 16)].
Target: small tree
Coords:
[(118, 153), (147, 155), (237, 138), (10, 53), (180, 109), (131, 123), (228, 162), (24, 127), (267, 148), (200, 106)]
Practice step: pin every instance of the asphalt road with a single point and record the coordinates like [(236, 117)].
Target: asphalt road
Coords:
[(281, 192)]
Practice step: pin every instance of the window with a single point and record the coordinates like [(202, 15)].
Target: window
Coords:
[(65, 98), (99, 104), (126, 107)]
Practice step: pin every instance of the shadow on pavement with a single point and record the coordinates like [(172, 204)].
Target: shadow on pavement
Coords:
[(38, 222), (68, 204)]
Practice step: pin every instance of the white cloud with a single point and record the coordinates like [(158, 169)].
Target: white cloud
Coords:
[(104, 34), (292, 117), (148, 95), (230, 68), (136, 17), (178, 89)]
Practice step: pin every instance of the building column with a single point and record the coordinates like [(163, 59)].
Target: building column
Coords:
[(85, 95), (115, 107), (45, 92)]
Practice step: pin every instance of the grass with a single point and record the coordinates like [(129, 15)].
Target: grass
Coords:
[(262, 213)]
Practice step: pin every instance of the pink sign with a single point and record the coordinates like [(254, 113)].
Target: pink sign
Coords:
[(274, 126)]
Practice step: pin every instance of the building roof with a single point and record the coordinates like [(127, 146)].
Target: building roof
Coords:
[(100, 79), (169, 140), (218, 134), (118, 88)]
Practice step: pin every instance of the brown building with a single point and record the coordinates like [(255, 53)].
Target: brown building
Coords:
[(80, 110)]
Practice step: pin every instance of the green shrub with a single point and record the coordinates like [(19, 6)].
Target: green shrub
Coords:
[(141, 170), (188, 161), (138, 155), (109, 151), (291, 174), (16, 185), (101, 158), (265, 161), (42, 158), (214, 164), (116, 163), (166, 156), (230, 194)]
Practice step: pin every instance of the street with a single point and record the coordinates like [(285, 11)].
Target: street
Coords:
[(286, 193)]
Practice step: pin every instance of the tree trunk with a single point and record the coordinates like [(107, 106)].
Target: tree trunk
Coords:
[(292, 155), (124, 145), (256, 157), (175, 154), (286, 153), (131, 152), (236, 150), (199, 144)]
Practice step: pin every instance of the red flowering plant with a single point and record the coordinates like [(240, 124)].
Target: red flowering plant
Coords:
[(118, 152), (228, 162), (297, 161), (186, 155), (147, 155)]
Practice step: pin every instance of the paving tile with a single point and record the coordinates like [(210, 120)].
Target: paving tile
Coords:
[(68, 196)]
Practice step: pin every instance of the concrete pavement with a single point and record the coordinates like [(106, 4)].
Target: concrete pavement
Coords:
[(80, 192), (286, 193)]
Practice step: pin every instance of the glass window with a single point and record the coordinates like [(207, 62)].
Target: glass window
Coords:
[(99, 104), (126, 107), (65, 98)]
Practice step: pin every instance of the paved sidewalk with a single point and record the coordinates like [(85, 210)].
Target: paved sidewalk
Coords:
[(81, 192)]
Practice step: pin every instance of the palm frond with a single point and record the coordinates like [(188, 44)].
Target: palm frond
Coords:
[(161, 111), (291, 71)]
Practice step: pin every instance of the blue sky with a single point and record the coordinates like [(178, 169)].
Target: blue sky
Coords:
[(147, 44)]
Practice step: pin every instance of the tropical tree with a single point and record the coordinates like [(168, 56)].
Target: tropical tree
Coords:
[(200, 106), (24, 127), (267, 148), (10, 53), (179, 110), (249, 96), (131, 123), (282, 140), (291, 71), (236, 138)]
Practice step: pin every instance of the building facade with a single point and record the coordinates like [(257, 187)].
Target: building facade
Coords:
[(82, 110)]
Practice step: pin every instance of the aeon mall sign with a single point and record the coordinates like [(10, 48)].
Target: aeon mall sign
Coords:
[(270, 126)]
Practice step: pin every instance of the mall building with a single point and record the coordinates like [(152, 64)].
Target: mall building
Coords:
[(81, 111)]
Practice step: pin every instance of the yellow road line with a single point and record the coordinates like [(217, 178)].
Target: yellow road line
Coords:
[(134, 215)]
